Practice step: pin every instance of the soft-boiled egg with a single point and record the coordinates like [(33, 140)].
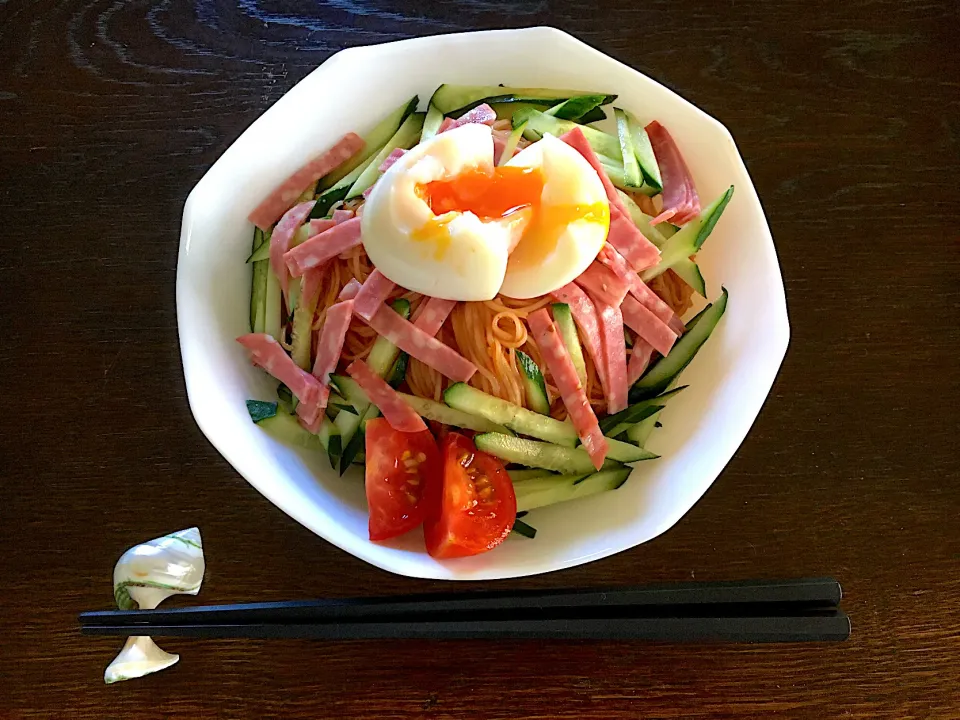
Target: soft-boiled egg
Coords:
[(445, 222)]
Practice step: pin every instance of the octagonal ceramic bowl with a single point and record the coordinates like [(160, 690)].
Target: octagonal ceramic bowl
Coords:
[(354, 89)]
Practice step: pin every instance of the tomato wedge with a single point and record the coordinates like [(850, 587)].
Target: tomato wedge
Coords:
[(474, 509), (400, 468)]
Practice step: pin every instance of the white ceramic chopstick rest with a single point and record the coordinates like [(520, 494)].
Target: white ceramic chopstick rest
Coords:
[(146, 575)]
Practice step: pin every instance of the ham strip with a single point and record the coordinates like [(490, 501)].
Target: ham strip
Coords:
[(330, 344), (480, 115), (350, 290), (604, 284), (416, 343), (327, 245), (318, 225), (391, 159), (341, 215), (266, 352), (640, 358), (614, 355), (647, 297), (585, 315), (432, 314), (623, 234), (280, 200), (647, 325), (395, 409), (574, 395), (280, 242), (681, 203), (372, 295)]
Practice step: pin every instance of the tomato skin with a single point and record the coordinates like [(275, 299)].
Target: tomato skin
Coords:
[(400, 470), (474, 508)]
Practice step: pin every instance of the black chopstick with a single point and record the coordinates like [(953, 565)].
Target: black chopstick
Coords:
[(752, 611), (829, 626), (754, 597)]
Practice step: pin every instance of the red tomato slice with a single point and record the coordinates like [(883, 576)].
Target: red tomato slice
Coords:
[(475, 508), (400, 468)]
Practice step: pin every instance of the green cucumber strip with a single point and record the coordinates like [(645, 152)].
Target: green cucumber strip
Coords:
[(640, 433), (373, 141), (576, 107), (627, 452), (521, 528), (288, 403), (340, 403), (351, 392), (539, 123), (667, 369), (261, 245), (571, 340), (450, 99), (258, 288), (302, 336), (643, 152), (642, 414), (540, 492), (635, 413), (528, 473), (476, 402), (431, 123), (406, 137), (260, 410), (631, 168), (272, 322), (355, 445), (447, 415), (398, 373), (537, 454), (688, 271), (329, 436), (384, 353), (690, 238), (534, 387), (510, 147), (287, 429), (595, 115)]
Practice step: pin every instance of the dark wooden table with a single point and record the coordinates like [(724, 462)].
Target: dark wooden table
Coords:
[(848, 115)]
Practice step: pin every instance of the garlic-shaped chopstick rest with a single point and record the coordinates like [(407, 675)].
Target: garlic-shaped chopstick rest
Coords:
[(145, 576)]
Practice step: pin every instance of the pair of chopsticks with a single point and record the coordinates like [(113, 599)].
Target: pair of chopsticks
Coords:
[(754, 611)]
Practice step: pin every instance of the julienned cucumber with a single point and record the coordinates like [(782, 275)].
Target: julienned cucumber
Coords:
[(643, 151), (405, 137), (537, 454), (659, 377), (457, 99), (258, 289), (476, 402), (640, 433), (688, 271), (580, 108), (627, 452), (539, 492), (449, 416), (528, 473), (383, 355), (431, 123), (631, 168), (538, 124), (286, 428), (568, 333), (329, 436), (272, 322), (534, 386), (690, 238), (373, 141), (511, 145), (613, 425)]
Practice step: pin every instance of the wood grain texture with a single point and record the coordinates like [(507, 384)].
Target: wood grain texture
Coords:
[(848, 115)]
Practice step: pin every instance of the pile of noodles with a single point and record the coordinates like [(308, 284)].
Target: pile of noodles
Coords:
[(489, 334)]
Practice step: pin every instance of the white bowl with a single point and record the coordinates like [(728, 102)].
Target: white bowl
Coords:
[(703, 427)]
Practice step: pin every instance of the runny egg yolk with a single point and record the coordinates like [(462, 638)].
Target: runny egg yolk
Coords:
[(496, 195)]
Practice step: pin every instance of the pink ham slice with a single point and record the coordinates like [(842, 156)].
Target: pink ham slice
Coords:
[(325, 246), (270, 355), (640, 358), (614, 356), (585, 316), (432, 314), (574, 396), (395, 409), (647, 325), (350, 290), (280, 200), (425, 348), (647, 297), (604, 284), (341, 215), (375, 290), (623, 234), (480, 115), (280, 242), (319, 225), (329, 347), (391, 159), (681, 203)]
